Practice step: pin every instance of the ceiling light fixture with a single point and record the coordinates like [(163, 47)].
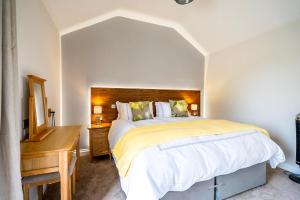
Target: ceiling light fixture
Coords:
[(182, 2)]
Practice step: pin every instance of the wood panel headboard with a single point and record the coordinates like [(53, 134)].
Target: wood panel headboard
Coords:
[(105, 97)]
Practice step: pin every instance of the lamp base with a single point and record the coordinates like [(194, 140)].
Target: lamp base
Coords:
[(98, 120), (295, 178)]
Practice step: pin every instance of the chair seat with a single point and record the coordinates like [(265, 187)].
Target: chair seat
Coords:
[(40, 178)]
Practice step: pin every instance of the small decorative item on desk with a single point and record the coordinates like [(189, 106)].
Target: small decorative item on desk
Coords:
[(194, 108), (99, 140), (98, 112)]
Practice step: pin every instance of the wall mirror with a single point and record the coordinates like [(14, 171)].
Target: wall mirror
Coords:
[(38, 116)]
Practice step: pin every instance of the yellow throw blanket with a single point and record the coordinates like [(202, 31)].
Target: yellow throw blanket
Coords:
[(140, 138)]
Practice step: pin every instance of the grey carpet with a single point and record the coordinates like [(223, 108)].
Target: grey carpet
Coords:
[(99, 180)]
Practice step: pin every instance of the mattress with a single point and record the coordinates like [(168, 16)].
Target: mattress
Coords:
[(178, 165)]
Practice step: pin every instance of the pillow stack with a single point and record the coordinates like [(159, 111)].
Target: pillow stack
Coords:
[(141, 110)]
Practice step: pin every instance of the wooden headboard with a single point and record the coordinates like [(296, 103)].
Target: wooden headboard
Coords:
[(105, 97)]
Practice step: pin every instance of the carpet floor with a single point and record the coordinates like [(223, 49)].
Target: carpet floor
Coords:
[(99, 180)]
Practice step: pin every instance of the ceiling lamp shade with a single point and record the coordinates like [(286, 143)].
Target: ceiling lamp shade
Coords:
[(182, 2)]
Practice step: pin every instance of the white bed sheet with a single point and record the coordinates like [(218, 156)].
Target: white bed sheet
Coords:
[(177, 165)]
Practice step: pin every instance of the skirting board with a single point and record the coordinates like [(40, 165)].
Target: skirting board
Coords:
[(290, 167)]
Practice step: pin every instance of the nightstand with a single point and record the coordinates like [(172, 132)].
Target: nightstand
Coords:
[(99, 140)]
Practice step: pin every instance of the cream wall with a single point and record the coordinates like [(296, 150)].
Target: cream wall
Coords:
[(258, 81), (124, 53), (38, 51)]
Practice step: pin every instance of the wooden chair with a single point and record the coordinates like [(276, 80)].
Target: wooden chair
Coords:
[(44, 179)]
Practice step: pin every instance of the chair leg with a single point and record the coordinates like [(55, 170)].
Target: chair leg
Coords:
[(74, 184), (40, 192), (26, 191)]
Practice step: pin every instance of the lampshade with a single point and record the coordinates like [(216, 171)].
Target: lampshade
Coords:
[(97, 109), (194, 107)]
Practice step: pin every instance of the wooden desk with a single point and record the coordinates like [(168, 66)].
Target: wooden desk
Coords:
[(53, 154)]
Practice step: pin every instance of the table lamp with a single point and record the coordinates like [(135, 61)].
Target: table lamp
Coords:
[(98, 112), (194, 108)]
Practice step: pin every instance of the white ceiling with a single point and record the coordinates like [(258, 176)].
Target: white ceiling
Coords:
[(214, 24)]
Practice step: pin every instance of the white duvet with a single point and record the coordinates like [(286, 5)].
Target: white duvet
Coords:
[(177, 165)]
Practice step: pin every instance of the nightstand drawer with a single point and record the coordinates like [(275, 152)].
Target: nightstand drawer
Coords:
[(101, 150), (100, 134), (100, 144), (103, 131)]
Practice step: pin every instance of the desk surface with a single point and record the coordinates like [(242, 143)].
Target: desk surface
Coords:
[(61, 139)]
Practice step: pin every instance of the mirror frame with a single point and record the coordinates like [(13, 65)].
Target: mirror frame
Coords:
[(37, 133)]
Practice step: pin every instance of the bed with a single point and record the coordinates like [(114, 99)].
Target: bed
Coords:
[(213, 166), (206, 167)]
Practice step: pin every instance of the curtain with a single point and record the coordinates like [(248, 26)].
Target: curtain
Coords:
[(10, 123)]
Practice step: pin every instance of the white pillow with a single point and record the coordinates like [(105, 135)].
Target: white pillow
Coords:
[(163, 109), (124, 110), (158, 109)]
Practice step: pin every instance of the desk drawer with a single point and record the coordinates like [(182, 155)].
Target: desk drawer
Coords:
[(37, 163)]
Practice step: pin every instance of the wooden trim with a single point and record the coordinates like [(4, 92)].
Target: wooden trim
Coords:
[(108, 96)]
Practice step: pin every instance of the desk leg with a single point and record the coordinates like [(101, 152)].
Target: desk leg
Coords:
[(64, 176), (78, 160)]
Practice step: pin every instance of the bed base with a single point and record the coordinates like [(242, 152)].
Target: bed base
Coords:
[(224, 186), (203, 190)]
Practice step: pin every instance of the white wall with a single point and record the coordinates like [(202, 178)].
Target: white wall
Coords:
[(38, 54), (258, 81), (38, 51), (124, 53)]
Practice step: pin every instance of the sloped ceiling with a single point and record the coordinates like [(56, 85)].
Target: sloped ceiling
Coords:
[(214, 24)]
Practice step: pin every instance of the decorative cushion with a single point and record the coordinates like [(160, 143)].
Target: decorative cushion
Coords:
[(140, 110), (179, 108)]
